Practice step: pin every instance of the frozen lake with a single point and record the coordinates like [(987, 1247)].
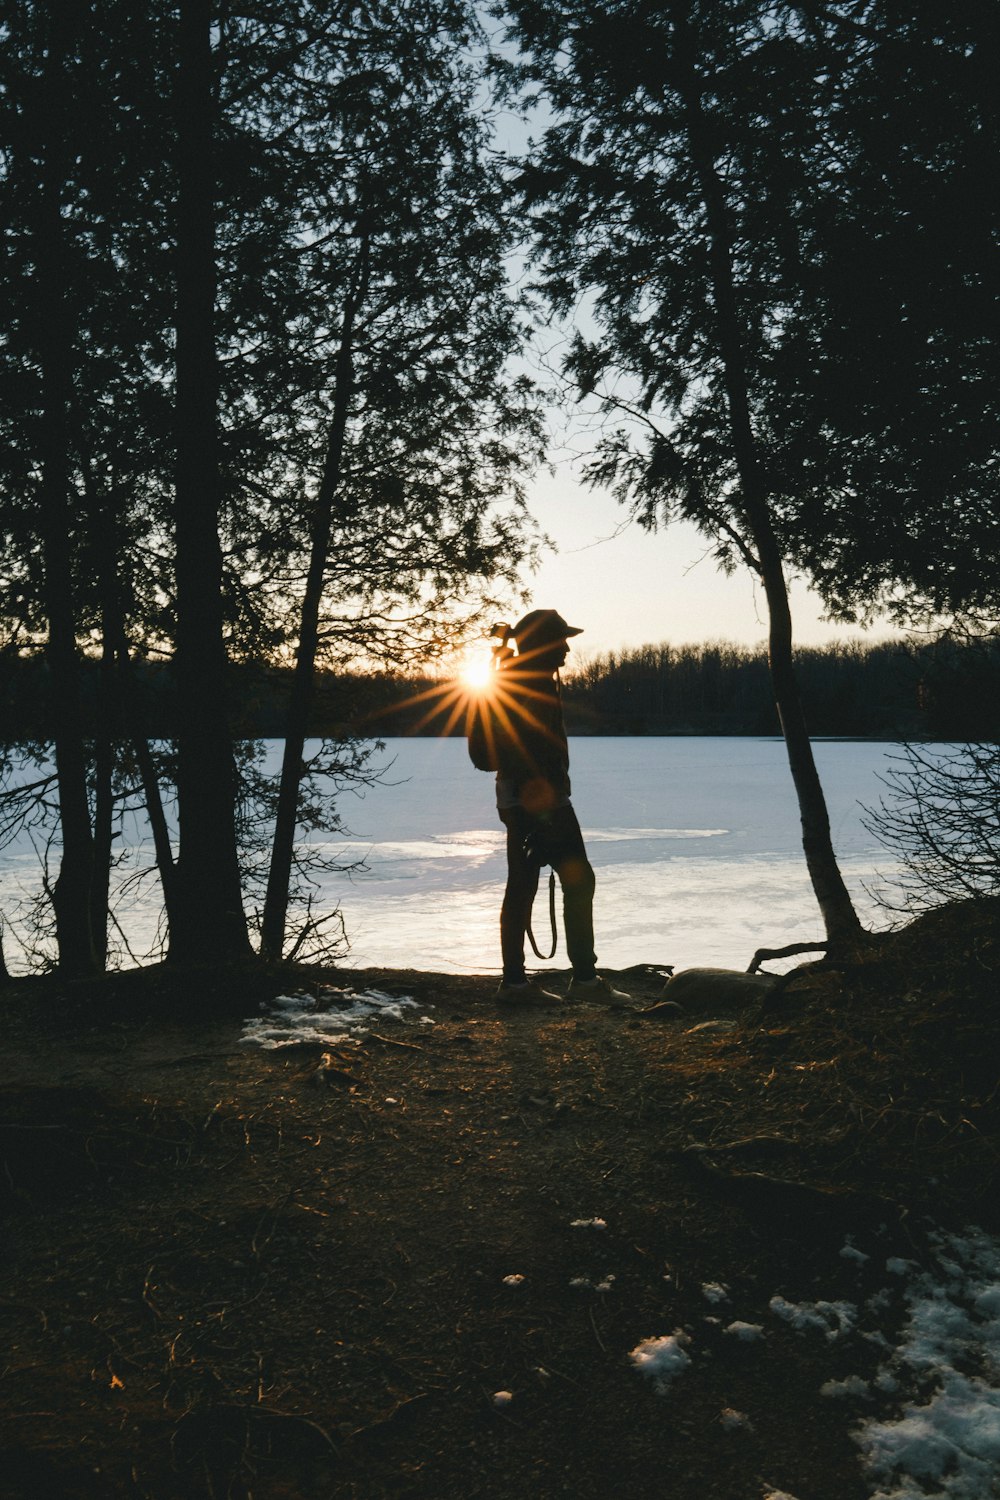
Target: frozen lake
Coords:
[(695, 842)]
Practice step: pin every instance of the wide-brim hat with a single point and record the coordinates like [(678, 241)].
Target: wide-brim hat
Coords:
[(542, 627)]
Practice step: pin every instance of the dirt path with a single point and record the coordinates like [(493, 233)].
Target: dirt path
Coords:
[(240, 1273)]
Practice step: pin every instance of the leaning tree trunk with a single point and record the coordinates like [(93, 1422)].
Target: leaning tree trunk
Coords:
[(210, 923), (71, 895), (159, 828), (839, 917), (300, 701)]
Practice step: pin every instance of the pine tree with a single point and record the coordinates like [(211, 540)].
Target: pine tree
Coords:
[(642, 194), (880, 404), (422, 431), (288, 424), (68, 361)]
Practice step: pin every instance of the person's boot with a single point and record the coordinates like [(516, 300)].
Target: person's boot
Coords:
[(598, 988), (527, 992)]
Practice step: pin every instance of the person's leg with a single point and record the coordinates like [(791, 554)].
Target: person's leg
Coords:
[(568, 857), (522, 882)]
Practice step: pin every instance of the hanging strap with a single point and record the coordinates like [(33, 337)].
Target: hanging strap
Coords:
[(552, 919)]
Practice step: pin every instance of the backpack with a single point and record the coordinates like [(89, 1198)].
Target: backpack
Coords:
[(485, 731), (482, 744)]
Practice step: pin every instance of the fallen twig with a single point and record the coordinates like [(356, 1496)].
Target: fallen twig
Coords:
[(390, 1041), (597, 1336), (389, 1416)]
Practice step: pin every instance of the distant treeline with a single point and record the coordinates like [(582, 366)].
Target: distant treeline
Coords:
[(890, 690), (343, 705)]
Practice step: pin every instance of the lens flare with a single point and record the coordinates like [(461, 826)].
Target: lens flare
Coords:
[(478, 691), (476, 671)]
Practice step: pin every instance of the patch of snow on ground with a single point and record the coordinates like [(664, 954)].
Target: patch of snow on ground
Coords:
[(851, 1385), (714, 1291), (832, 1318), (333, 1017), (947, 1439), (748, 1333), (662, 1359)]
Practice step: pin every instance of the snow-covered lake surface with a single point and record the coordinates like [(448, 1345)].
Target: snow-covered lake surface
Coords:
[(695, 842)]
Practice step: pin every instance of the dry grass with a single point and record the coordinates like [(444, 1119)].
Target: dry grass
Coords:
[(235, 1273)]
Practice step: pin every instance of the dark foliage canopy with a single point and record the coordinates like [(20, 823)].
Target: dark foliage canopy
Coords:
[(216, 233), (855, 146)]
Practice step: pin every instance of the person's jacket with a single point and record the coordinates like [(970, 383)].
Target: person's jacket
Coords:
[(531, 737)]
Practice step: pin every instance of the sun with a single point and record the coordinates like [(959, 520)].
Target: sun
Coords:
[(476, 670)]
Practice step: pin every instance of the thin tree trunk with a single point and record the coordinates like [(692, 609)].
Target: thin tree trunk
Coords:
[(107, 730), (839, 917), (209, 920), (104, 803), (123, 693), (282, 850), (159, 828), (71, 895)]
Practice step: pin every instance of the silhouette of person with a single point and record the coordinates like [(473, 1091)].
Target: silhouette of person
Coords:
[(533, 800)]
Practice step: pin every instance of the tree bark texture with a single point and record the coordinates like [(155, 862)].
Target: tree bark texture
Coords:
[(209, 921)]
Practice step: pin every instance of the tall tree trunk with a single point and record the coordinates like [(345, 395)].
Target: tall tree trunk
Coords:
[(839, 917), (297, 721), (71, 896), (210, 924)]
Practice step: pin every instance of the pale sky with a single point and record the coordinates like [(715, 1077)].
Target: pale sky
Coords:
[(636, 587), (632, 587)]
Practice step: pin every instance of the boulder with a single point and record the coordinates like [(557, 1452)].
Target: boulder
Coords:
[(709, 990)]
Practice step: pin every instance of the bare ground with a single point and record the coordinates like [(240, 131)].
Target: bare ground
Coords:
[(237, 1273)]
